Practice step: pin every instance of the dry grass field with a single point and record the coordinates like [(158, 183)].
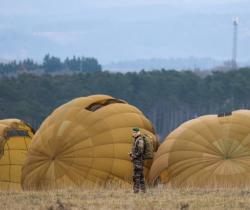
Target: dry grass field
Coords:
[(113, 199)]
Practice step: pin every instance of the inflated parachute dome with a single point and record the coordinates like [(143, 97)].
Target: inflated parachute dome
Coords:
[(15, 137), (83, 142), (209, 151)]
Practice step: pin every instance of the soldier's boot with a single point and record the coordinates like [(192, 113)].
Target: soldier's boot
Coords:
[(143, 189), (136, 190)]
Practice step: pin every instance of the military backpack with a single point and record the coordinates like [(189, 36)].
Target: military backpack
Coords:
[(148, 152)]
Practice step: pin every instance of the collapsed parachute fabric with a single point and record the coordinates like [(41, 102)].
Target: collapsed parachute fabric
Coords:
[(84, 141), (209, 151), (15, 137)]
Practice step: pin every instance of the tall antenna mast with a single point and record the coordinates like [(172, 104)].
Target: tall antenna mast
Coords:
[(235, 39)]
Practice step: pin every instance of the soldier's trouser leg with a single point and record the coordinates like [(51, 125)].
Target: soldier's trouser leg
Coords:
[(138, 177), (142, 182), (136, 180)]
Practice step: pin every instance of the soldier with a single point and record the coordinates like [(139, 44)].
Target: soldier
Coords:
[(138, 159)]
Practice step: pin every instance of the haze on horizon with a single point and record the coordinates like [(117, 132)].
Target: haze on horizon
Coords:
[(118, 30)]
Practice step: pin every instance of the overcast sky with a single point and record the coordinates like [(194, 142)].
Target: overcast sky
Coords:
[(117, 30)]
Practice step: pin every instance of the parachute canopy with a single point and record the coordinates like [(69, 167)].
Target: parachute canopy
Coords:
[(15, 137), (209, 151), (85, 141)]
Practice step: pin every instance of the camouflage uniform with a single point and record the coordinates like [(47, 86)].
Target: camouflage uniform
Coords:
[(137, 158)]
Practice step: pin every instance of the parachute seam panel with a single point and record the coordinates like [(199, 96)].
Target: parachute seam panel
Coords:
[(182, 139)]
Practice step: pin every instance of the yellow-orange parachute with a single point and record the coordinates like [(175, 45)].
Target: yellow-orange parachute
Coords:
[(15, 137), (84, 141), (210, 151)]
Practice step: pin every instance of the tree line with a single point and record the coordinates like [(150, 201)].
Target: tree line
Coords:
[(168, 98), (50, 64)]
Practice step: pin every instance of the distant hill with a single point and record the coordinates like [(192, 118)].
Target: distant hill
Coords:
[(3, 60), (247, 63), (190, 63)]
